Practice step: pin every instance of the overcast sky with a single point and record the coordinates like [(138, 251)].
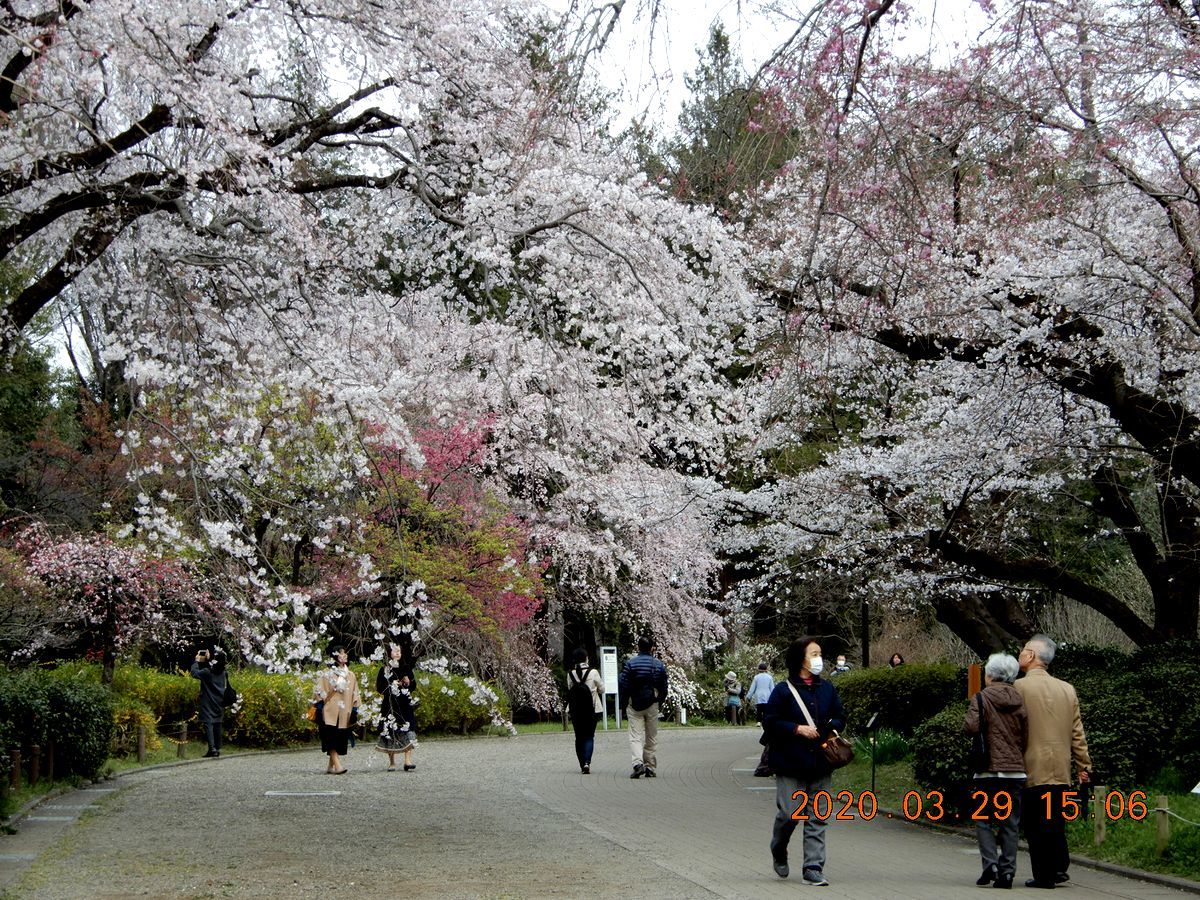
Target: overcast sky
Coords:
[(645, 64)]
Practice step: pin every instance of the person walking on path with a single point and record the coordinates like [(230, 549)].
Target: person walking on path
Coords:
[(733, 697), (209, 669), (585, 703), (642, 686), (397, 721), (998, 712), (337, 708), (795, 754), (761, 686), (1056, 741)]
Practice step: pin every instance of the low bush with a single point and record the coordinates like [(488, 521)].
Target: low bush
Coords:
[(73, 713), (454, 703), (904, 696), (270, 709), (128, 716), (174, 696), (940, 756)]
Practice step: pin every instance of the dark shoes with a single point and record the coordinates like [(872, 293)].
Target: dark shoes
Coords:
[(410, 768), (780, 866), (209, 755), (1003, 881), (988, 876), (1061, 878), (1044, 885), (650, 773), (586, 770), (639, 769), (814, 878)]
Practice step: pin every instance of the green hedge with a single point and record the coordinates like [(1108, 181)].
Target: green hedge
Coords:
[(270, 709), (74, 713), (446, 704), (904, 696), (940, 753)]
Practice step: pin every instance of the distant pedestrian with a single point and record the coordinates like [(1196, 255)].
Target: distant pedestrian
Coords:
[(642, 688), (1056, 742), (585, 703), (760, 691), (999, 713), (209, 669), (796, 756), (397, 719), (733, 697), (840, 666), (896, 660), (337, 704)]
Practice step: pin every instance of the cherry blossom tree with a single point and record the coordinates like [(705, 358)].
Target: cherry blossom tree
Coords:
[(987, 277)]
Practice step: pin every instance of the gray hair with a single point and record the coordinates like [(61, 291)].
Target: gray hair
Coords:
[(1002, 667), (1043, 648)]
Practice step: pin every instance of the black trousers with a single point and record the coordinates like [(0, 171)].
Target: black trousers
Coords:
[(1045, 829), (212, 735)]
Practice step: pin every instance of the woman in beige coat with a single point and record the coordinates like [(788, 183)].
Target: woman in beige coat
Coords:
[(336, 698)]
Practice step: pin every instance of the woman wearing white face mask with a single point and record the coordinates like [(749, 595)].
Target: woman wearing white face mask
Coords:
[(794, 752)]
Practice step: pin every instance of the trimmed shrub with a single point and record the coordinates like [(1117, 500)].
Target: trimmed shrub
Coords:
[(904, 696), (940, 756), (450, 703), (128, 716), (270, 709), (80, 722), (174, 696), (1120, 723)]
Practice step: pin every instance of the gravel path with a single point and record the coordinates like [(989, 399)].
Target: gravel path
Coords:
[(487, 817)]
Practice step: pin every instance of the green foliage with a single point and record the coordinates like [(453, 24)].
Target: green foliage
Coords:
[(74, 713), (888, 747), (129, 715), (447, 704), (173, 696), (904, 696), (940, 754), (270, 710), (80, 722)]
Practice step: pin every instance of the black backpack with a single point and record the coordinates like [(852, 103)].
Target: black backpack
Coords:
[(579, 698)]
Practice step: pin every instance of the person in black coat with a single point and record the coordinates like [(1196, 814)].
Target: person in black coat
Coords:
[(397, 724), (795, 754), (209, 669)]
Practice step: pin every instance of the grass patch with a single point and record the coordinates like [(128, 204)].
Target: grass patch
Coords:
[(1130, 843)]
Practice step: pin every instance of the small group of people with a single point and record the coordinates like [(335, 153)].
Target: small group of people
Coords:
[(1034, 739), (336, 700), (642, 688)]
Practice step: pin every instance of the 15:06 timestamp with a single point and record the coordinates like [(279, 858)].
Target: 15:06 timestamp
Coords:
[(987, 805)]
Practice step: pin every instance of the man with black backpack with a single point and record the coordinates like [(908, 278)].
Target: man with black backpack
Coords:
[(643, 686), (585, 703)]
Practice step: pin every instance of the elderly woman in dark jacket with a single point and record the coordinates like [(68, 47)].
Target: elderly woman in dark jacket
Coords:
[(794, 752), (1006, 727)]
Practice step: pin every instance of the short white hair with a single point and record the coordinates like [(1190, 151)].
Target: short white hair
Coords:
[(1043, 648), (1002, 667)]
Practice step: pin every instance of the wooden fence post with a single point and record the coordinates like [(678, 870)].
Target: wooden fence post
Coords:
[(181, 748), (1101, 820), (974, 679), (141, 744), (35, 763), (14, 772), (1164, 827)]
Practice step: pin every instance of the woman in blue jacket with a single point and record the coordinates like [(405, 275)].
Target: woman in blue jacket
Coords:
[(794, 752)]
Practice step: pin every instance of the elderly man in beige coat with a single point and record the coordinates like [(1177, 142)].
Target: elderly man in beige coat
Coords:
[(1056, 740)]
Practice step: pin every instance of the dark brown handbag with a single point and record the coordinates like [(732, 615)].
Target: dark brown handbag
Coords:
[(838, 751)]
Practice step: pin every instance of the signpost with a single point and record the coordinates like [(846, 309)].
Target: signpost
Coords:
[(608, 674)]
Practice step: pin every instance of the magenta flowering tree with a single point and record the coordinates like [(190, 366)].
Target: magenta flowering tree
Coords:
[(117, 597)]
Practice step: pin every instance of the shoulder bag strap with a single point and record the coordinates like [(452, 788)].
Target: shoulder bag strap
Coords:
[(982, 716), (800, 703)]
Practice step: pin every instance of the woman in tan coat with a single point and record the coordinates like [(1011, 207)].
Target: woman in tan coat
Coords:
[(336, 698)]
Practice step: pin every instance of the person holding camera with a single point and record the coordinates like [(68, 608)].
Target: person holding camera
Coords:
[(209, 669), (337, 708)]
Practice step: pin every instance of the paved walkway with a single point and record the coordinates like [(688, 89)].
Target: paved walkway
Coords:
[(479, 818)]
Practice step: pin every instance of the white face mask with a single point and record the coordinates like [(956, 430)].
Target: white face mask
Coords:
[(816, 665)]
